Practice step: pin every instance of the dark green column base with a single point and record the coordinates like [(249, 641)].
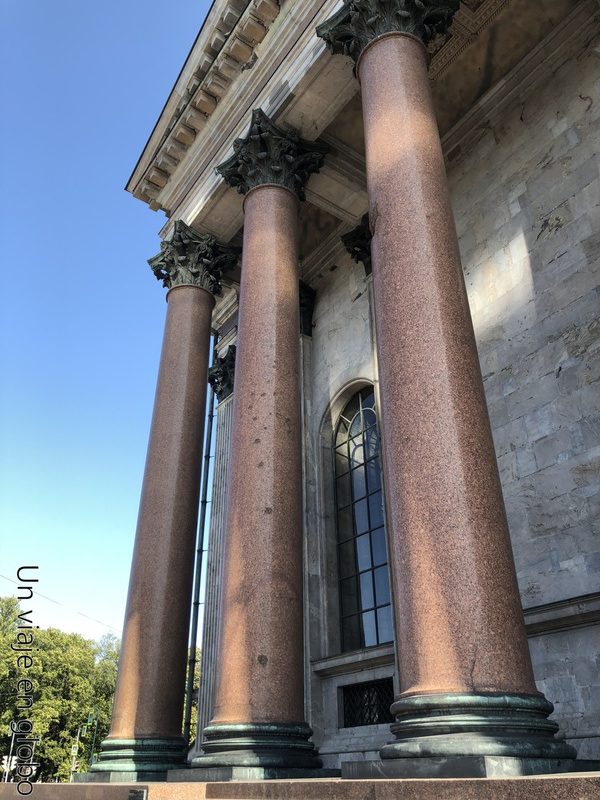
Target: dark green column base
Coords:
[(126, 760), (266, 746), (486, 725)]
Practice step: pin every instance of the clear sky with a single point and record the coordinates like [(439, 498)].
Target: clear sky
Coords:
[(82, 84)]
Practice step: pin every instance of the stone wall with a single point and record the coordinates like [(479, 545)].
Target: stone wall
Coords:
[(527, 206), (526, 201)]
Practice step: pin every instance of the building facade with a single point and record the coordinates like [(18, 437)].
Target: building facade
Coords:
[(358, 554)]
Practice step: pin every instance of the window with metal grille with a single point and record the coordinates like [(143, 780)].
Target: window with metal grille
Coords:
[(364, 585), (368, 703)]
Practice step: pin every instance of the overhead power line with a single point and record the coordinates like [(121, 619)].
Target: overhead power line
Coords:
[(58, 603)]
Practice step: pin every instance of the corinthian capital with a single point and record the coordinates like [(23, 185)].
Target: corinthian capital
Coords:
[(221, 375), (191, 258), (358, 243), (271, 155), (358, 22)]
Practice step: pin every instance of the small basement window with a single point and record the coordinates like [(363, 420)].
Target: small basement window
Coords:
[(367, 703)]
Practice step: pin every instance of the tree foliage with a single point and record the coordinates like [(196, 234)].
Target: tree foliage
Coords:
[(72, 678)]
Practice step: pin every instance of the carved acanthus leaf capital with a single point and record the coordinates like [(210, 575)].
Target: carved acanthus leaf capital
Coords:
[(358, 22), (271, 155), (221, 375), (358, 243), (192, 258)]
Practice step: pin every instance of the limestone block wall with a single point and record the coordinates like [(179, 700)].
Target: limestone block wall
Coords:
[(567, 669), (527, 206)]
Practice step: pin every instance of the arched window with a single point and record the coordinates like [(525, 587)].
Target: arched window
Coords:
[(364, 586)]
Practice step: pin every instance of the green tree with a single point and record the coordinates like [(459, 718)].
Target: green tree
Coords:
[(195, 693), (73, 677)]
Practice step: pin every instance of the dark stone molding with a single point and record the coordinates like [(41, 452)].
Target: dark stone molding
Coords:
[(268, 745), (140, 759), (221, 375), (307, 305), (192, 258), (563, 615), (272, 155), (358, 22), (477, 724), (358, 243)]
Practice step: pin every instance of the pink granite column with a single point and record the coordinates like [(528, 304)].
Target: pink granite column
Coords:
[(460, 638), (145, 736), (260, 672), (258, 728)]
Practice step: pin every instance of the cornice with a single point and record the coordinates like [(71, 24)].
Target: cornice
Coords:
[(291, 62), (232, 32)]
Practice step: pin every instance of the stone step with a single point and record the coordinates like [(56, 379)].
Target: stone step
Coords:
[(581, 786)]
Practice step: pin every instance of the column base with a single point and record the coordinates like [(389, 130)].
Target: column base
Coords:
[(483, 725), (127, 760), (263, 746)]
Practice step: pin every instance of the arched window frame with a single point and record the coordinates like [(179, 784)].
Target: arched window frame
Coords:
[(364, 595)]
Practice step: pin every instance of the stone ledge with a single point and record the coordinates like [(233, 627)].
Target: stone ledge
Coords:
[(576, 612), (354, 661), (563, 787)]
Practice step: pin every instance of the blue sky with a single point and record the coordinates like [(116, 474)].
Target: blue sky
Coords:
[(82, 315)]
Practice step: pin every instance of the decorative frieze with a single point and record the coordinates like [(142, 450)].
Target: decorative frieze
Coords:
[(192, 258), (358, 22), (221, 375), (358, 243), (271, 155), (472, 18)]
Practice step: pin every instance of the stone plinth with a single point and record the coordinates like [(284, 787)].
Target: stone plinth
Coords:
[(561, 787)]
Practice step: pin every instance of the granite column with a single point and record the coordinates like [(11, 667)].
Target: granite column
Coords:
[(145, 736), (258, 729), (467, 686)]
